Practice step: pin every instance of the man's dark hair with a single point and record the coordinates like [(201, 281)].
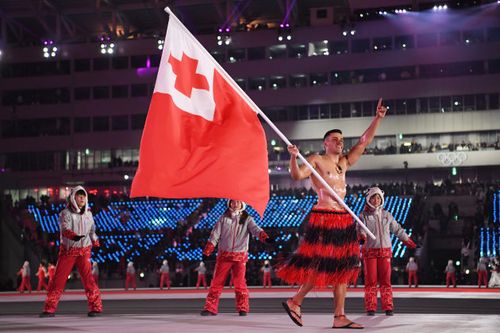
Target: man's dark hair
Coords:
[(335, 130), (81, 192)]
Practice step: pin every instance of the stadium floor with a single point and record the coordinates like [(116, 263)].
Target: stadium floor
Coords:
[(424, 309)]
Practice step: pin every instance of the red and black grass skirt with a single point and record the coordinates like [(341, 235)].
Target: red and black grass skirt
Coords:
[(328, 254)]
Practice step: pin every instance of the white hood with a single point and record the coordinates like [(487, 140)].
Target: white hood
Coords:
[(72, 202), (371, 192)]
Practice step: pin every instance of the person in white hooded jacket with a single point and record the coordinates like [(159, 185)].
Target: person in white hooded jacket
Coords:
[(164, 275), (77, 235), (377, 252), (130, 278), (482, 272), (231, 234), (25, 273), (451, 279)]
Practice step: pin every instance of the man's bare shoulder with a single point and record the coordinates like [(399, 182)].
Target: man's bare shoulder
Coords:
[(313, 157)]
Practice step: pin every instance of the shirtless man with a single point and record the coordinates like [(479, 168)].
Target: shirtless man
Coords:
[(327, 257)]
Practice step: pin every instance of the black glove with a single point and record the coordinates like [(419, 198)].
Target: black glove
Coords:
[(270, 240), (78, 237)]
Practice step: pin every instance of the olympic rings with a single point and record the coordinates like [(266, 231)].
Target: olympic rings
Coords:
[(452, 158)]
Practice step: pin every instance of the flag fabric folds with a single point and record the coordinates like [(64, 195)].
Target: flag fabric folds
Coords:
[(201, 137)]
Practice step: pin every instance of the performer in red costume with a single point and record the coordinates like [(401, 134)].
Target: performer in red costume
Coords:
[(201, 269), (164, 275), (412, 269), (42, 272), (482, 272), (130, 277), (51, 272), (78, 236), (25, 273), (329, 253), (231, 233), (450, 274), (266, 274), (377, 253)]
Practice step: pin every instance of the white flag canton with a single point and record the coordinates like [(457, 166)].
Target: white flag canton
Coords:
[(186, 74)]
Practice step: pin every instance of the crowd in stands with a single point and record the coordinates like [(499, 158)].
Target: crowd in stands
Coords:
[(412, 147)]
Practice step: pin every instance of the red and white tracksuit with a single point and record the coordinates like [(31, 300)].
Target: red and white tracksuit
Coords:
[(51, 272), (450, 275), (75, 222), (41, 278), (412, 269), (482, 273), (130, 277), (165, 275), (232, 239), (25, 273), (377, 255), (266, 275), (201, 276)]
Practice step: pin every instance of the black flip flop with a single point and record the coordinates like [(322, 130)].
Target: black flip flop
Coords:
[(290, 311), (349, 326)]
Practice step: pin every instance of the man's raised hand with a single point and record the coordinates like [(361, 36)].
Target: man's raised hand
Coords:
[(293, 150), (381, 110)]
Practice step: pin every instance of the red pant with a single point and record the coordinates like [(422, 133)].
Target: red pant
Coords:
[(25, 284), (65, 264), (266, 281), (482, 278), (378, 273), (41, 284), (130, 279), (451, 279), (412, 277), (164, 279), (222, 268), (201, 280)]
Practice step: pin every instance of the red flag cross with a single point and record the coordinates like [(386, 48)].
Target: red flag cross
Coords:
[(201, 138)]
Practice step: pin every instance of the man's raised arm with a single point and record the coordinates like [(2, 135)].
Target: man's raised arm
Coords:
[(367, 137), (299, 172)]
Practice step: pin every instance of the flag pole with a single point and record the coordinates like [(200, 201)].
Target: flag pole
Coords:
[(254, 106)]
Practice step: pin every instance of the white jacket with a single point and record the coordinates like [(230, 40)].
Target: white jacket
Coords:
[(381, 223), (72, 220), (231, 235)]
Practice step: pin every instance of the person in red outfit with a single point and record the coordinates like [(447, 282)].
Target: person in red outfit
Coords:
[(377, 252), (231, 233), (51, 272), (77, 234), (482, 272), (450, 274), (130, 277), (164, 275), (202, 270), (266, 274), (412, 269), (42, 272), (25, 273)]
